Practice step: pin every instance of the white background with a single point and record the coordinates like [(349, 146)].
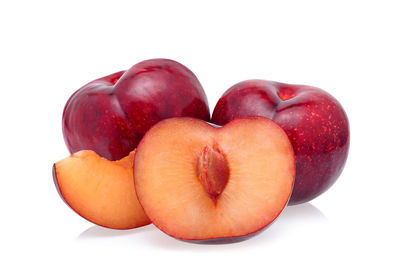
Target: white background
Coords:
[(349, 48)]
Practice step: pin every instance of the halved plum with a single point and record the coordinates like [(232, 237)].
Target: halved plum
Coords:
[(203, 183)]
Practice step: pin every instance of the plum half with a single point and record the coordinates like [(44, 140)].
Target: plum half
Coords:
[(209, 184)]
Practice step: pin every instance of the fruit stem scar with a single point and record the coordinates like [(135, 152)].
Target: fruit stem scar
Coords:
[(286, 93), (213, 171)]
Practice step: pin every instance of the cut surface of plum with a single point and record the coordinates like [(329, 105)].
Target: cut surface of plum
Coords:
[(199, 182), (100, 190)]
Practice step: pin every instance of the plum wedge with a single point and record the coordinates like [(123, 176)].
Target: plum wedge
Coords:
[(100, 190)]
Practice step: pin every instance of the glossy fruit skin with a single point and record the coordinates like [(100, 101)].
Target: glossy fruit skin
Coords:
[(111, 114), (315, 122)]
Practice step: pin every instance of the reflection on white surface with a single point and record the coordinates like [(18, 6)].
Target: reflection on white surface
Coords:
[(305, 211), (99, 232), (292, 221)]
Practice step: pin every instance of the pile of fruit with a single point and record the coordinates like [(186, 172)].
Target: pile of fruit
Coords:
[(144, 150)]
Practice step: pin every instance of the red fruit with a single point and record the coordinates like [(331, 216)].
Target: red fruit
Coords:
[(314, 121), (110, 115), (201, 183), (99, 190)]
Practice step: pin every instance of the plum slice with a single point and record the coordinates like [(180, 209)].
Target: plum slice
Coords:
[(100, 190)]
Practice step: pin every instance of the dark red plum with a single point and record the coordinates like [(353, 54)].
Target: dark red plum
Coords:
[(314, 121), (110, 115)]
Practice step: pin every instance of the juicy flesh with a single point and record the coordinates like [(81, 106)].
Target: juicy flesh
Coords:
[(99, 190), (261, 173)]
